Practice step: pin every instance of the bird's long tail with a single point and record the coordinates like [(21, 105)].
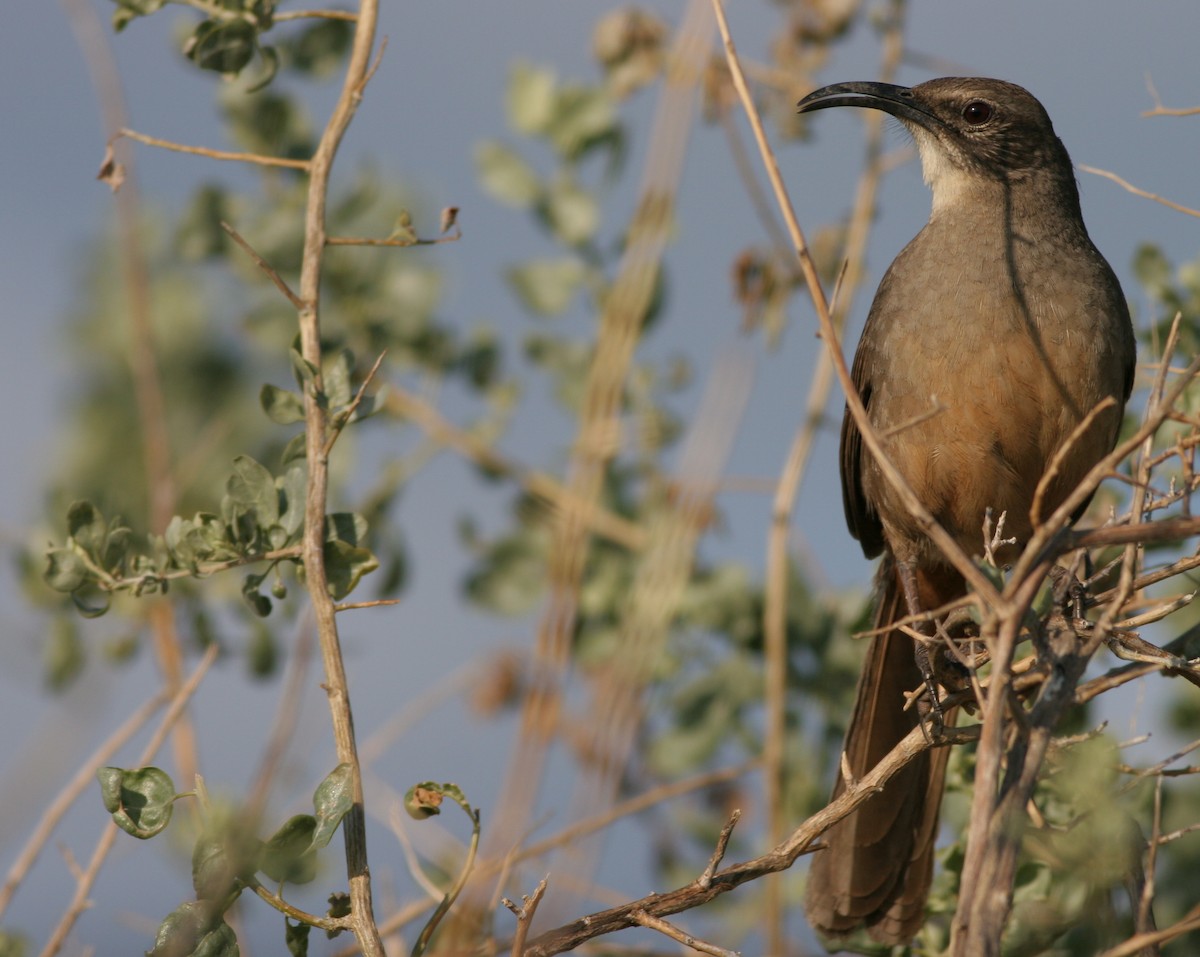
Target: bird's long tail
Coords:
[(878, 863)]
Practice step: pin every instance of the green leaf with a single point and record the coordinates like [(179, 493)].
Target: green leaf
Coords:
[(320, 49), (294, 485), (288, 856), (531, 98), (349, 527), (270, 66), (345, 565), (87, 528), (13, 944), (259, 602), (86, 608), (337, 371), (282, 407), (571, 212), (1152, 269), (547, 286), (200, 235), (505, 176), (214, 874), (128, 10), (304, 371), (252, 487), (423, 800), (295, 937), (262, 655), (332, 800), (294, 451), (65, 569), (224, 46), (583, 116), (140, 801), (64, 654), (195, 929)]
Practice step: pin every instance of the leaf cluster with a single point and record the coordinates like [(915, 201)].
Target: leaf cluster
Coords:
[(227, 857)]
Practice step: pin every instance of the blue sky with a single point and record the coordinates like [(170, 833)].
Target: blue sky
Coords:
[(438, 92)]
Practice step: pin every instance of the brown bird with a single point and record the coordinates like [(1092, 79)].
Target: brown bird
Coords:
[(993, 334)]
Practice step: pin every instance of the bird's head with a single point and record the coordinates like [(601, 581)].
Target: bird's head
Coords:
[(966, 128)]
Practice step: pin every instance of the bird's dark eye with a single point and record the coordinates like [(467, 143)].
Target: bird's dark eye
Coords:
[(977, 112)]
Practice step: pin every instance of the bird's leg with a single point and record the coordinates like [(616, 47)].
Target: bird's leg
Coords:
[(908, 582), (1070, 594)]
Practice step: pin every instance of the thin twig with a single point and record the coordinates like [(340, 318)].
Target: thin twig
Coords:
[(1160, 110), (367, 241), (525, 915), (256, 159), (344, 417), (83, 886), (1124, 184), (331, 924), (455, 889), (374, 603), (634, 805), (781, 857), (790, 480), (622, 314), (670, 930), (265, 266), (718, 853), (600, 520), (316, 421), (144, 363), (70, 794), (284, 16)]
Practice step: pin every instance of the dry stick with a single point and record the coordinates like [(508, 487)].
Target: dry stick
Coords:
[(281, 16), (83, 778), (662, 571), (1136, 191), (1166, 530), (706, 887), (265, 266), (256, 159), (675, 933), (790, 480), (600, 520), (1159, 109), (990, 862), (620, 323), (1145, 903), (143, 359), (718, 854), (374, 603), (83, 886), (316, 425), (975, 579), (1138, 942), (284, 725), (525, 915), (346, 415), (403, 243), (626, 808)]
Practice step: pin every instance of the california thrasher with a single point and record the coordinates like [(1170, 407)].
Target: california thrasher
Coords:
[(993, 334)]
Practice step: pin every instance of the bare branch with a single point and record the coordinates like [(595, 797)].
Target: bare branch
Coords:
[(256, 159)]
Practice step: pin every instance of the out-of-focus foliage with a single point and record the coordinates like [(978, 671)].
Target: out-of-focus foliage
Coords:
[(233, 381), (230, 380)]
